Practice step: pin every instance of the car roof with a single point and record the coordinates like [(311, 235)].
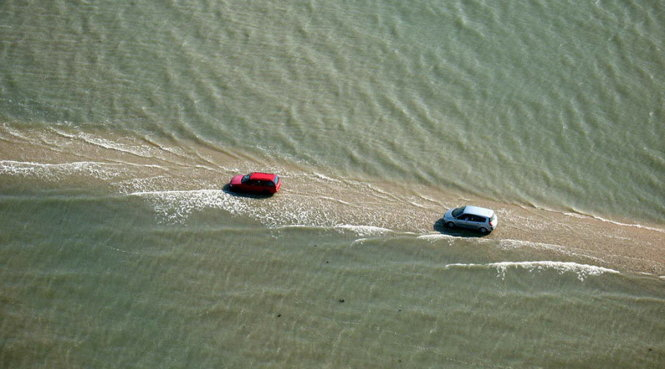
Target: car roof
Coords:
[(259, 176), (477, 210)]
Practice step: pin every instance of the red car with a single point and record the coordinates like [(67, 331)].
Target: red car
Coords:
[(259, 183)]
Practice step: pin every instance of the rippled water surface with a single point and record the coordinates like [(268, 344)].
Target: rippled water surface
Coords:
[(120, 124)]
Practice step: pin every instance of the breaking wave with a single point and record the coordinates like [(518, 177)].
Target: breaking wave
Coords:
[(582, 270), (53, 172)]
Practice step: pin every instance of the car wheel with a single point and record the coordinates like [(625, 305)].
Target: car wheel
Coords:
[(450, 225), (483, 230)]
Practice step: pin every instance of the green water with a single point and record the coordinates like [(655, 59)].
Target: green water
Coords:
[(94, 281), (120, 124)]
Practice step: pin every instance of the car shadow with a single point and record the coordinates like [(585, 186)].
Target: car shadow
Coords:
[(440, 227), (227, 189)]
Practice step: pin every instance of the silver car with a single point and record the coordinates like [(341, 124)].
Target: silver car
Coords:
[(471, 217)]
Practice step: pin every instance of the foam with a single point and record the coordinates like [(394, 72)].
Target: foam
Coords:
[(435, 236), (582, 270), (142, 185), (56, 171), (140, 149), (175, 206), (112, 145), (13, 132), (339, 201), (326, 178), (615, 222), (364, 230), (508, 244)]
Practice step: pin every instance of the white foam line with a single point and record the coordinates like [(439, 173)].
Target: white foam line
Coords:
[(177, 205), (513, 244), (62, 133), (299, 226), (178, 151), (14, 132), (108, 144), (199, 166), (33, 163), (435, 236), (417, 205), (615, 222), (46, 170), (325, 177), (173, 192), (582, 270), (335, 200), (364, 230)]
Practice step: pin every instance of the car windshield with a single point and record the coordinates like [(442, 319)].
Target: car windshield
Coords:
[(245, 179), (457, 212)]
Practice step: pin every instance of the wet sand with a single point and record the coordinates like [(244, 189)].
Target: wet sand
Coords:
[(181, 177)]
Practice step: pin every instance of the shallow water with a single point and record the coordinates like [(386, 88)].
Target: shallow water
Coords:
[(95, 280), (121, 123)]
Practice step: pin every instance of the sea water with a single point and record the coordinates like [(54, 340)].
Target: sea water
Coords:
[(120, 124)]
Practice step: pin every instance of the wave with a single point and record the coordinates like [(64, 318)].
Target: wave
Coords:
[(175, 206), (138, 150), (180, 179), (582, 270), (56, 171), (636, 225), (325, 177), (435, 236), (364, 230), (508, 244)]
